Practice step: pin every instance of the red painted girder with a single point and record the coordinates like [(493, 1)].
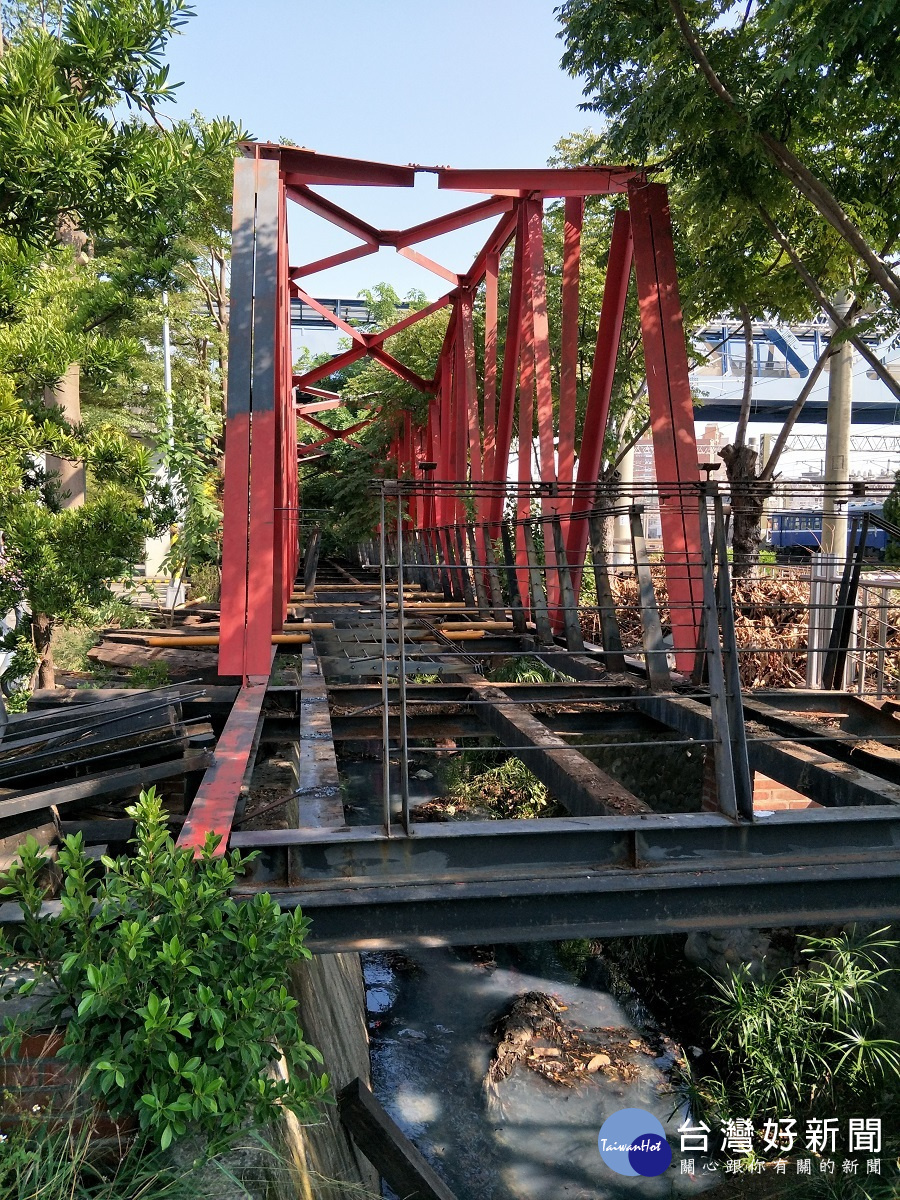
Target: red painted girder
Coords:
[(341, 433), (376, 339), (470, 381), (322, 406), (500, 237), (539, 332), (371, 340), (671, 411), (332, 212), (392, 364), (511, 353), (429, 264), (491, 297), (450, 221), (568, 365), (596, 417), (236, 490), (326, 168), (213, 808), (576, 181), (326, 370), (323, 392), (526, 407), (338, 322), (332, 260)]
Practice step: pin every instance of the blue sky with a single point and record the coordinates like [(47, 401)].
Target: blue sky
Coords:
[(439, 82)]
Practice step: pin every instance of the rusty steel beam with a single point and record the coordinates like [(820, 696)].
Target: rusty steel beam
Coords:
[(215, 803)]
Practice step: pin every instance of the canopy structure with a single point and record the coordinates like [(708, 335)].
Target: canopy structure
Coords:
[(468, 433)]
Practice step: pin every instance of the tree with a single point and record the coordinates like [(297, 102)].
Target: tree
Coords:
[(751, 245), (790, 104), (58, 562), (337, 494), (103, 206)]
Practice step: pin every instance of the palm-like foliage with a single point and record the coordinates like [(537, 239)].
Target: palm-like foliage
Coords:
[(807, 1039)]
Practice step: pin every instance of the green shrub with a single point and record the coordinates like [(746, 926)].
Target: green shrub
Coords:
[(174, 995), (206, 580), (508, 789), (808, 1041), (526, 670), (149, 675)]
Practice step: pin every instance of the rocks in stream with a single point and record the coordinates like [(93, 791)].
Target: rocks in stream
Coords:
[(727, 951)]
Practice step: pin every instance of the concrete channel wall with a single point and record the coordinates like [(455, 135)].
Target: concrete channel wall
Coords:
[(329, 988)]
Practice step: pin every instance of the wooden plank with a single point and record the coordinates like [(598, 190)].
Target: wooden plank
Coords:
[(318, 780), (387, 1148)]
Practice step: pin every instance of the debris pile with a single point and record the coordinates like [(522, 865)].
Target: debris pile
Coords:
[(771, 617), (532, 1032)]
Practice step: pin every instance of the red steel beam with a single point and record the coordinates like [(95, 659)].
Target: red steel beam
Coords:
[(671, 411), (372, 341), (263, 429), (338, 322), (526, 408), (470, 381), (213, 807), (596, 417), (332, 260), (491, 299), (332, 212), (568, 361), (501, 235), (322, 406), (326, 370), (511, 353), (576, 181), (446, 224), (429, 264), (236, 490), (392, 364), (329, 169)]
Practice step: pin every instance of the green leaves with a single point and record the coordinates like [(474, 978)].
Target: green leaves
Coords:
[(807, 1040), (178, 1009)]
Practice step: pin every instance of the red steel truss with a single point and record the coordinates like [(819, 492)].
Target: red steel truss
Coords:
[(469, 427)]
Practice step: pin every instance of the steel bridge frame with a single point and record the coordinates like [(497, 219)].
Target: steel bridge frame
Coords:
[(469, 429)]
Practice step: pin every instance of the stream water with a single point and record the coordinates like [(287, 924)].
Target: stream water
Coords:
[(430, 1015)]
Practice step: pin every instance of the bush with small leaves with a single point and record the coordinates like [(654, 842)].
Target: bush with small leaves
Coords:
[(173, 993)]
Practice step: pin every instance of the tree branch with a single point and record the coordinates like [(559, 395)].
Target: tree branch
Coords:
[(808, 184), (740, 434), (790, 420), (840, 323)]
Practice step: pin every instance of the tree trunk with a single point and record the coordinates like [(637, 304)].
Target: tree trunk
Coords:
[(748, 497), (42, 631)]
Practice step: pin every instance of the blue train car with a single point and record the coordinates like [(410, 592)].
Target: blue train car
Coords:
[(797, 533)]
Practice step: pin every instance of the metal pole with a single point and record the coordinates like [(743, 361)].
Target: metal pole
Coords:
[(385, 718), (837, 443), (401, 643)]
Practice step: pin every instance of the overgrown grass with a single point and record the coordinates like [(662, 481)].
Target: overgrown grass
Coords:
[(809, 1041), (39, 1162), (475, 780), (526, 670)]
